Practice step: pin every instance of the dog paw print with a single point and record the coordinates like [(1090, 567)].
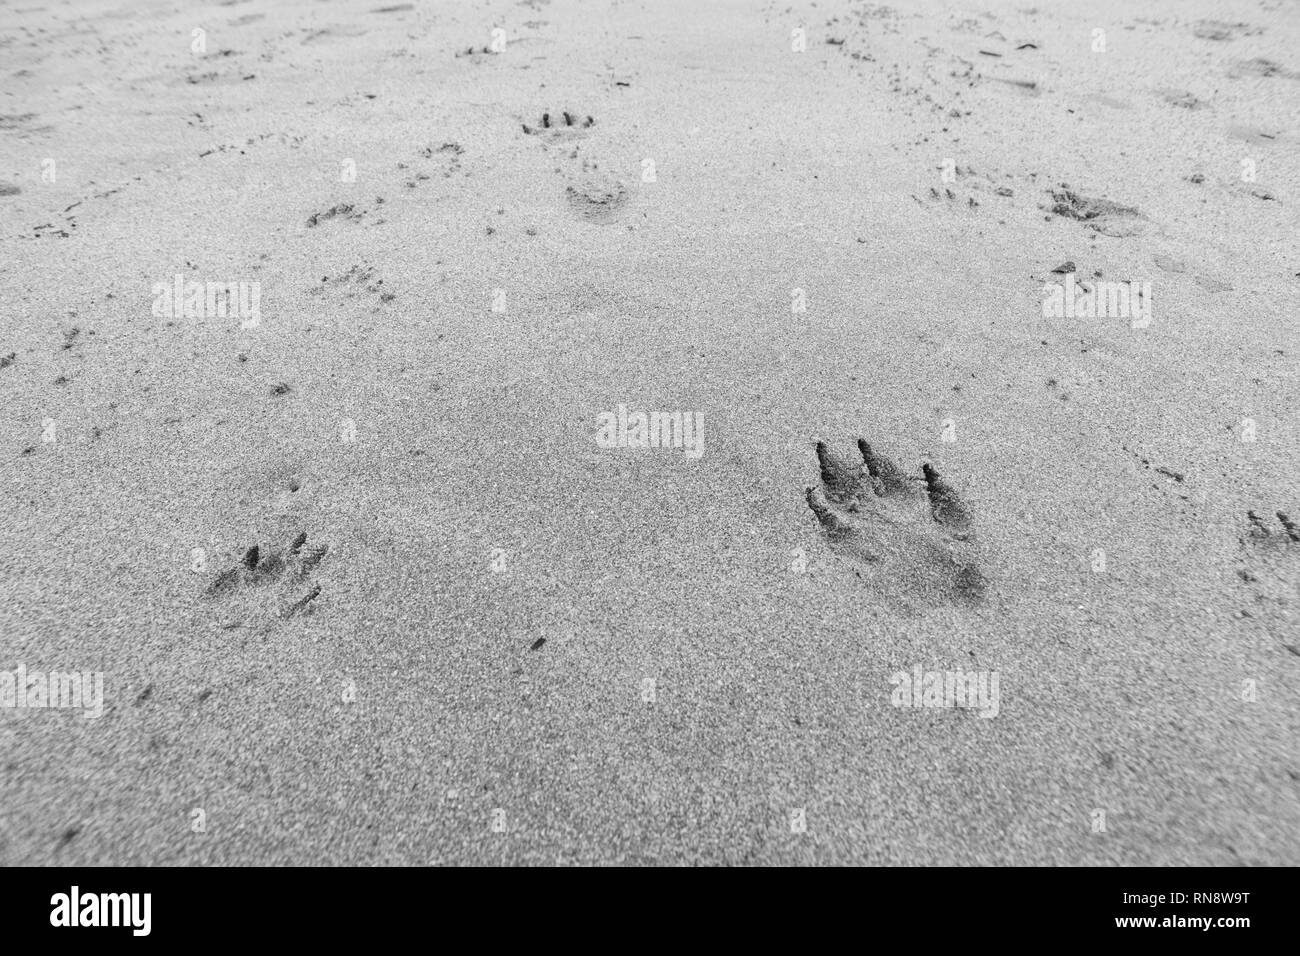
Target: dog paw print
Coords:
[(952, 198), (560, 125), (339, 211), (591, 194), (1099, 214), (911, 534), (268, 586), (595, 195), (353, 282), (1270, 570), (447, 157)]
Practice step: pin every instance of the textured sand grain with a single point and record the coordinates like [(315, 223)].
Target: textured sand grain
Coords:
[(775, 171)]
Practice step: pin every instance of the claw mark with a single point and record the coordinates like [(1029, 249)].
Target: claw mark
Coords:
[(969, 583), (268, 568), (1292, 530), (1258, 529), (831, 523), (841, 483), (298, 542), (250, 558), (301, 603), (885, 475), (944, 503), (311, 559), (225, 582)]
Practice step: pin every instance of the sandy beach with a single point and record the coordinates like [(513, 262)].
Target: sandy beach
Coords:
[(326, 333)]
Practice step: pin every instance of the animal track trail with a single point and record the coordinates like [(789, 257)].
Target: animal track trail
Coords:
[(1270, 571), (267, 587), (444, 161), (911, 534)]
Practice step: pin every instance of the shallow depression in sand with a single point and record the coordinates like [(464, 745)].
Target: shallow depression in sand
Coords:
[(600, 200)]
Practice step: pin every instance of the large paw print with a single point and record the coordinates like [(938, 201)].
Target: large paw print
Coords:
[(267, 586), (911, 533), (1270, 569)]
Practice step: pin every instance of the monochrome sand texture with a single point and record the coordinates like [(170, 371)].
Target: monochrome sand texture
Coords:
[(365, 588)]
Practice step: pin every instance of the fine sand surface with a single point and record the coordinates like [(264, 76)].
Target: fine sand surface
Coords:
[(621, 655)]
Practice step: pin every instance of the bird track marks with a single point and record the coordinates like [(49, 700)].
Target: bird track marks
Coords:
[(912, 533), (268, 586)]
